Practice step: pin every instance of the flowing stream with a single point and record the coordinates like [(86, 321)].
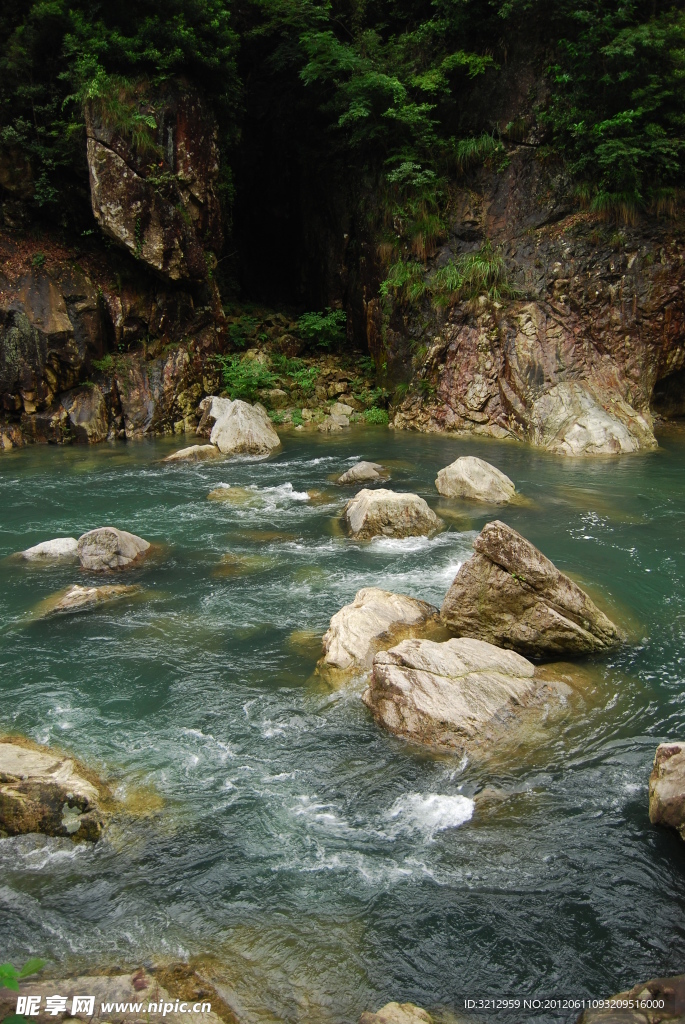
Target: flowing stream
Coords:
[(313, 865)]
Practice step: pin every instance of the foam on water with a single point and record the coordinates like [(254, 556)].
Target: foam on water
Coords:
[(430, 813)]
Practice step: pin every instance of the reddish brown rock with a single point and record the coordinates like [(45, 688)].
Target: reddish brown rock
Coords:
[(667, 787)]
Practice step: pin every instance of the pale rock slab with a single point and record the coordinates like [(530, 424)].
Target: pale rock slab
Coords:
[(109, 548), (386, 513), (475, 479)]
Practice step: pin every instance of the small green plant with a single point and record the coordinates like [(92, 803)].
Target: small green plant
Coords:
[(477, 150), (376, 417), (11, 976), (325, 329), (297, 418), (38, 259), (104, 365), (426, 388), (242, 330), (405, 281), (244, 378), (366, 365), (470, 275), (401, 391), (276, 417), (302, 376)]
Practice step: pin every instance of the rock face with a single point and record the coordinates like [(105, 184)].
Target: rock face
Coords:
[(667, 787), (469, 477), (88, 414), (195, 453), (509, 594), (242, 429), (357, 631), (43, 792), (385, 513), (669, 991), (109, 548), (362, 473), (397, 1013), (167, 216), (569, 420), (449, 695), (61, 548), (81, 599)]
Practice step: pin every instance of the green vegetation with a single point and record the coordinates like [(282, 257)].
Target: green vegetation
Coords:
[(376, 416), (297, 418), (323, 329), (294, 370), (243, 378), (473, 274), (11, 976)]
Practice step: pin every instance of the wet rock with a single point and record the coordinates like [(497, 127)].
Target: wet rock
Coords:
[(510, 595), (359, 629), (569, 420), (341, 409), (242, 429), (88, 414), (362, 473), (450, 695), (61, 548), (667, 787), (109, 548), (469, 477), (276, 398), (195, 453), (397, 1013), (334, 423), (385, 513), (633, 1005), (81, 599), (41, 791)]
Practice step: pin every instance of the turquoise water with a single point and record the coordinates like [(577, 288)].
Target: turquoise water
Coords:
[(315, 866)]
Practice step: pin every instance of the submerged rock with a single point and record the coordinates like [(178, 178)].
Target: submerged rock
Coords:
[(242, 429), (358, 629), (81, 599), (509, 594), (450, 695), (667, 787), (469, 477), (61, 548), (109, 548), (362, 473), (195, 453), (397, 1013), (648, 1002), (385, 513), (41, 791)]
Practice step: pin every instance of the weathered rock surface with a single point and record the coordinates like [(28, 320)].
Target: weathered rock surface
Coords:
[(667, 787), (569, 420), (385, 513), (242, 429), (510, 595), (109, 548), (359, 629), (167, 216), (334, 423), (140, 987), (397, 1013), (619, 1011), (450, 695), (88, 414), (469, 477), (362, 473), (61, 548), (81, 599), (195, 453), (43, 792)]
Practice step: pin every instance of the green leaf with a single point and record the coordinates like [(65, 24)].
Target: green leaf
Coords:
[(31, 966)]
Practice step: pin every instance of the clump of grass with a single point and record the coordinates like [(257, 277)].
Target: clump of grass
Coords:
[(470, 275), (477, 150), (376, 417), (406, 282)]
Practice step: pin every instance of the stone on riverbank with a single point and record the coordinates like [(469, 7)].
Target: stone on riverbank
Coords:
[(469, 477), (242, 429), (397, 1013), (450, 695), (385, 513), (334, 423), (81, 599), (667, 787), (510, 595), (41, 791), (362, 473), (194, 453), (59, 549), (670, 991), (109, 548), (358, 630)]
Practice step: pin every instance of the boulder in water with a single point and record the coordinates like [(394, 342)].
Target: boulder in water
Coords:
[(385, 513), (362, 473), (41, 791), (667, 787), (397, 1013), (81, 599), (59, 549), (359, 629), (109, 548), (242, 429), (648, 1002), (510, 595), (194, 453), (450, 695), (469, 477)]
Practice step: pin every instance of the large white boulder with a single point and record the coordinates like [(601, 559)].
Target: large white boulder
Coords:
[(469, 477), (59, 549), (109, 548), (359, 629), (385, 513), (242, 429), (449, 695)]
